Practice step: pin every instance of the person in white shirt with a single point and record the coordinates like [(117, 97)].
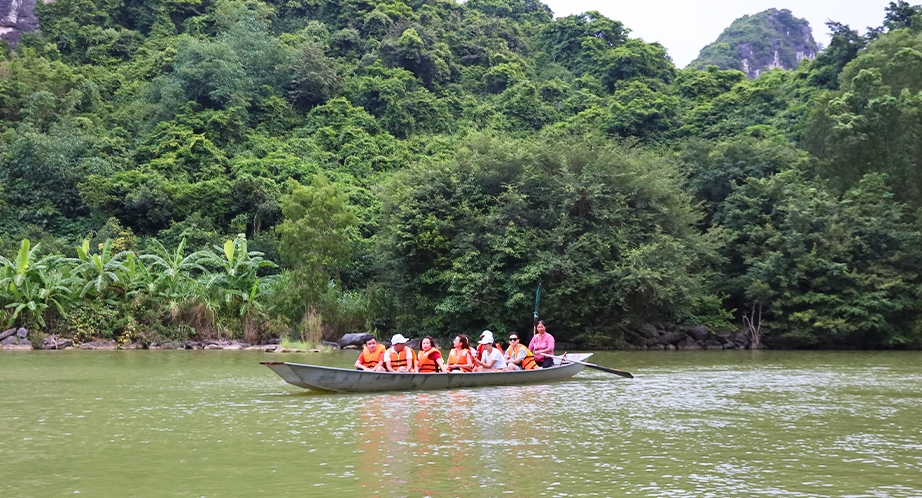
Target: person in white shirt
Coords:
[(491, 359)]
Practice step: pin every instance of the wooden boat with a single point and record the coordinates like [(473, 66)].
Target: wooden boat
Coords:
[(344, 380)]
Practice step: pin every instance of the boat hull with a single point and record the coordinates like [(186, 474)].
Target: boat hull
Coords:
[(356, 381)]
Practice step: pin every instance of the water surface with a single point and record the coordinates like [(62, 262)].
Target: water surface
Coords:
[(691, 424)]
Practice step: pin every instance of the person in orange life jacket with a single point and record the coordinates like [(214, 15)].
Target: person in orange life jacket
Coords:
[(399, 358), (518, 357), (461, 358), (542, 344), (371, 358), (430, 358), (492, 359)]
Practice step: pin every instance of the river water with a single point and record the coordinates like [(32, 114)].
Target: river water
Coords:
[(709, 423)]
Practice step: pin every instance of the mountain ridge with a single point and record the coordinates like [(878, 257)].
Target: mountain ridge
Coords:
[(771, 39)]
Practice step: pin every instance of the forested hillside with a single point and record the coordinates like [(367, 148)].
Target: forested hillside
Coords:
[(251, 169)]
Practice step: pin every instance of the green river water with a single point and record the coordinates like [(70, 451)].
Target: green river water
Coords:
[(709, 423)]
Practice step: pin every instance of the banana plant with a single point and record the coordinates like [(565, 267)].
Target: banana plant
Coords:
[(100, 271), (177, 269), (17, 271), (236, 282), (33, 297), (29, 285), (136, 277)]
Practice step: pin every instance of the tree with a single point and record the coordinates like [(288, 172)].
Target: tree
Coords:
[(826, 270), (638, 111), (873, 123), (317, 232), (574, 40), (315, 239), (844, 45), (902, 15), (608, 231), (713, 170), (41, 173)]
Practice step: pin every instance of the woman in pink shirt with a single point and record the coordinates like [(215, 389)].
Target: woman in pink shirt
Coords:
[(542, 344)]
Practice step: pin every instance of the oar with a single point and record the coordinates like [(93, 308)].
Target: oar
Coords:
[(597, 367), (534, 331)]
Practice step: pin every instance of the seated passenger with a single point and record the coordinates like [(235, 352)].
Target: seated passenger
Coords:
[(518, 357), (370, 359), (492, 359), (487, 334), (461, 358), (399, 358), (430, 358)]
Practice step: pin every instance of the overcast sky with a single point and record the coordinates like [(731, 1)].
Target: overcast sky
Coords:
[(684, 27)]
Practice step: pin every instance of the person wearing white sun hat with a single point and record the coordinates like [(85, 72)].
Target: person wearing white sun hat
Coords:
[(491, 360), (486, 334), (399, 358)]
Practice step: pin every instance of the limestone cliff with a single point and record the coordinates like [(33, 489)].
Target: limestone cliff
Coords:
[(768, 40), (16, 17)]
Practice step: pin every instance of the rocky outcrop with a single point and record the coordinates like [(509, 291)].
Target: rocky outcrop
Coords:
[(16, 339), (772, 39), (100, 345), (356, 340), (7, 333), (17, 17), (55, 342), (659, 337)]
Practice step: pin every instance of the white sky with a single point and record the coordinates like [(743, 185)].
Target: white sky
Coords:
[(684, 27)]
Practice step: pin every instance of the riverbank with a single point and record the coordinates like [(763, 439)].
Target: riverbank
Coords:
[(20, 340), (645, 337), (190, 345)]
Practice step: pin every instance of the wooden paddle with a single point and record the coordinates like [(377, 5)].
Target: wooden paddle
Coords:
[(593, 365)]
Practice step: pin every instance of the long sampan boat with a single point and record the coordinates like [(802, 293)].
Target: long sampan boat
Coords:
[(344, 380)]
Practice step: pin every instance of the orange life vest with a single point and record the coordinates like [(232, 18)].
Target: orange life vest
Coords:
[(455, 357), (371, 358), (405, 358), (528, 363), (425, 364)]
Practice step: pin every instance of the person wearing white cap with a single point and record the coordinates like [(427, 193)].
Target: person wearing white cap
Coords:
[(491, 359), (399, 358), (486, 334)]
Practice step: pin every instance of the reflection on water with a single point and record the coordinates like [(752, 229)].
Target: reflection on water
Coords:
[(176, 423)]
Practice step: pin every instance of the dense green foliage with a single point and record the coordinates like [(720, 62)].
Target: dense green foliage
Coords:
[(608, 231), (770, 39), (251, 169)]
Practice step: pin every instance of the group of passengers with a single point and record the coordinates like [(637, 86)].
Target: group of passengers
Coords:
[(489, 356)]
